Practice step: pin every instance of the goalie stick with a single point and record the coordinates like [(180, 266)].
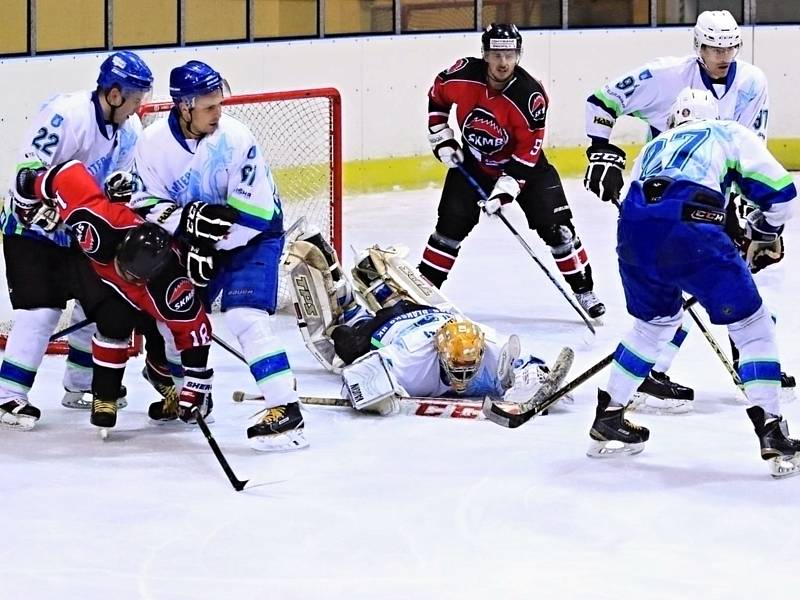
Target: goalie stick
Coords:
[(484, 198), (545, 397), (447, 408)]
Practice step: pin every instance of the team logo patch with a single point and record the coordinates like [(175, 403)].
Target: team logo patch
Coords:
[(87, 236), (180, 295), (457, 66), (483, 132), (537, 106)]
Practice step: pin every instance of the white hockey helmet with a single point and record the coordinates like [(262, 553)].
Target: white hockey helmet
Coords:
[(692, 105), (718, 29)]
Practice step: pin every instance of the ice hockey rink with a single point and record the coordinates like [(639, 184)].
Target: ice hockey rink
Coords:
[(409, 507)]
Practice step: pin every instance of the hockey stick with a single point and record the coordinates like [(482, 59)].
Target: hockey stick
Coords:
[(226, 346), (71, 329), (541, 402), (236, 483), (484, 199), (449, 408)]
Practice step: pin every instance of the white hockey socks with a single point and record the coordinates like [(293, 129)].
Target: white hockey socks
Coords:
[(25, 349)]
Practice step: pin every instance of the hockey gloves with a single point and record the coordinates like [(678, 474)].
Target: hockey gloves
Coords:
[(444, 146), (200, 263), (505, 190), (29, 206), (763, 244), (195, 394), (604, 173), (118, 186), (204, 222)]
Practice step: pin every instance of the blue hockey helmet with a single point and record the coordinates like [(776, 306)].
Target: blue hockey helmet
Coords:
[(194, 79), (125, 70)]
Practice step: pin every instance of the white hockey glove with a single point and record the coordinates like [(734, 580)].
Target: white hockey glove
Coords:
[(195, 394), (604, 173), (118, 186), (200, 264), (369, 384), (505, 190), (763, 243), (444, 146), (202, 221)]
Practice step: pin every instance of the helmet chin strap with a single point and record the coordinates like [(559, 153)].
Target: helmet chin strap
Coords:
[(113, 112), (188, 123)]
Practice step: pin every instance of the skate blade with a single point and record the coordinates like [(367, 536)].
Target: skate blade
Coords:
[(612, 449), (784, 466), (84, 401), (652, 405), (102, 432), (17, 422), (287, 441)]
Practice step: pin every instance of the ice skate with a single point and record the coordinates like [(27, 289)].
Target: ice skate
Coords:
[(781, 451), (104, 413), (82, 399), (660, 395), (280, 429), (612, 434), (787, 388), (19, 414), (591, 304), (165, 409)]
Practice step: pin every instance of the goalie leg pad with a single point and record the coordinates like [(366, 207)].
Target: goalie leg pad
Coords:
[(315, 301), (369, 384)]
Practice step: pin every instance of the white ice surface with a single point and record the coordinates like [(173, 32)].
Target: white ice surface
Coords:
[(414, 507)]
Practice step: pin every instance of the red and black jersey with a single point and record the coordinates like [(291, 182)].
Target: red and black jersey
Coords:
[(98, 227), (503, 130)]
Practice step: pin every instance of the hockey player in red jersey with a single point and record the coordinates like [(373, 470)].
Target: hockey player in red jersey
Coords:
[(501, 111), (139, 261)]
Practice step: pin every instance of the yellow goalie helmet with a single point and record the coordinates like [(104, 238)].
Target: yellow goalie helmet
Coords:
[(460, 345)]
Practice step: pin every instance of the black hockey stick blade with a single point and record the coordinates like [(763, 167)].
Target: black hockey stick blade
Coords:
[(237, 484), (558, 372)]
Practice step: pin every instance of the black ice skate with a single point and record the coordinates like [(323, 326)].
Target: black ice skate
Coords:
[(19, 414), (280, 429), (591, 304), (612, 434), (660, 395), (782, 452), (82, 399), (104, 412), (165, 409)]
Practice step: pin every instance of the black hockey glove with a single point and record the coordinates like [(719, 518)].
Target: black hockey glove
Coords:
[(604, 173), (195, 394), (29, 205), (200, 264), (118, 186), (204, 222), (763, 243)]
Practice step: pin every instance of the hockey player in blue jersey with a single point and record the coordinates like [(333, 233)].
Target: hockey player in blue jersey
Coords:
[(671, 238), (201, 175)]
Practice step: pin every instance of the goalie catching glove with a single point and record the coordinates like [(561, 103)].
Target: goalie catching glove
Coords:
[(505, 191), (204, 222), (763, 243), (604, 173), (444, 146)]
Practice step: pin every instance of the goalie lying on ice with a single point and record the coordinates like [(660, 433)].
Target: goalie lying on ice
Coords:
[(410, 341)]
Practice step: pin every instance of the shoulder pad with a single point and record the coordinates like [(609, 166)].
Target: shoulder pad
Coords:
[(470, 68), (529, 97)]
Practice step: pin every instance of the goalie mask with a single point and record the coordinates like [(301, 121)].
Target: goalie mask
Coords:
[(692, 105), (460, 345)]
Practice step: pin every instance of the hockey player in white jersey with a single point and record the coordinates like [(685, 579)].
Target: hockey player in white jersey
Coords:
[(415, 344), (671, 238), (99, 128), (201, 175), (648, 92)]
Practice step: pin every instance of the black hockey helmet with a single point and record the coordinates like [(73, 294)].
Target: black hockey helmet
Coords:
[(501, 36), (144, 252)]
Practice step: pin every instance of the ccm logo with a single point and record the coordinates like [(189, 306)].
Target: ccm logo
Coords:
[(705, 215)]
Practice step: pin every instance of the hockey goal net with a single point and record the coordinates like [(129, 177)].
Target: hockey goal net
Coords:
[(300, 134)]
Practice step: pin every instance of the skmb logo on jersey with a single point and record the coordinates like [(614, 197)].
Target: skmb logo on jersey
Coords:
[(180, 295), (87, 236), (537, 106), (483, 132)]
